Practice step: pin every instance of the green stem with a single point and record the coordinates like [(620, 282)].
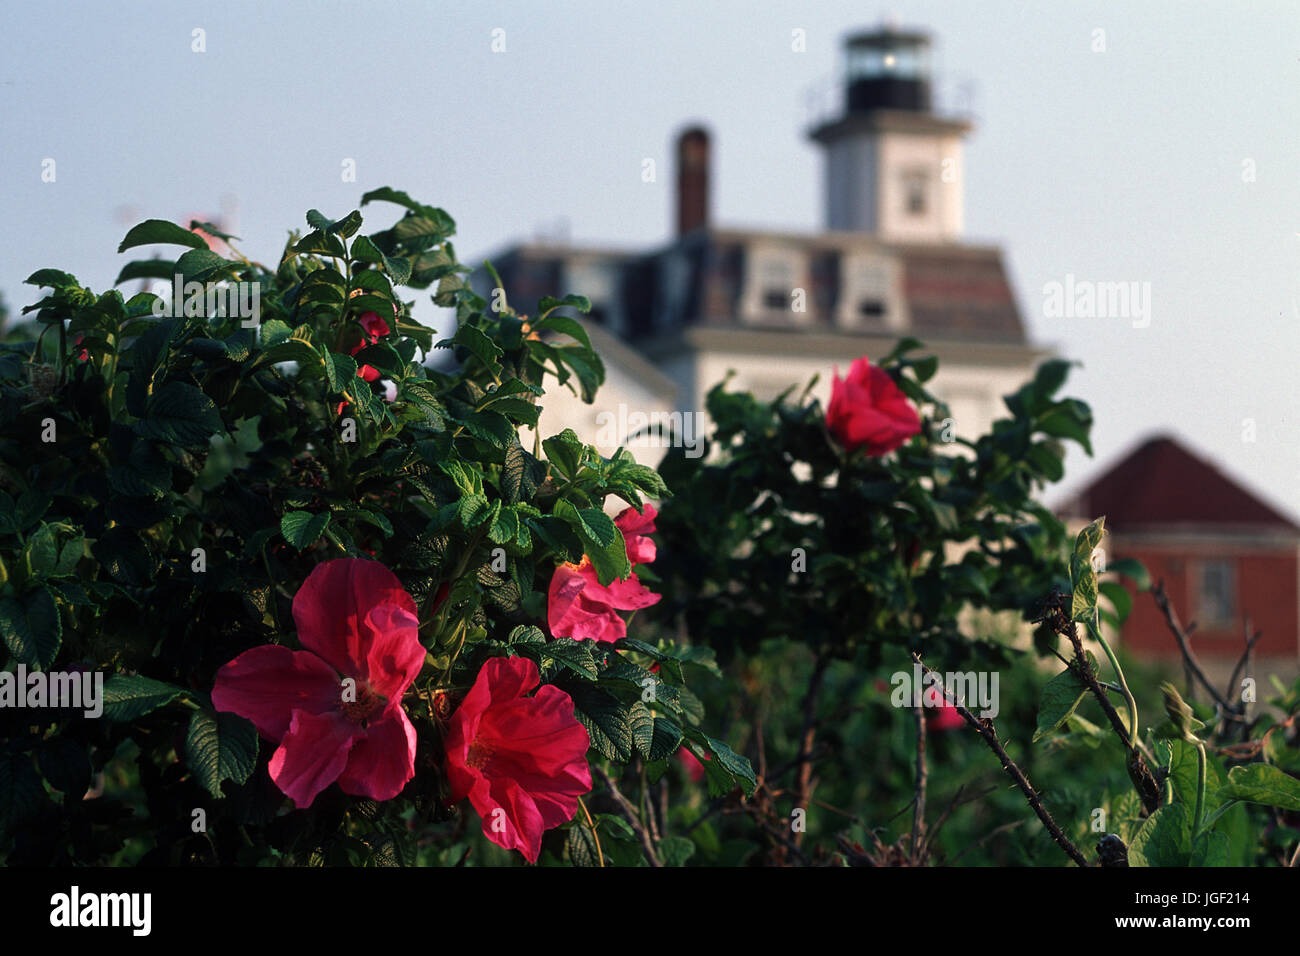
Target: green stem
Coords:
[(1200, 789), (1129, 702)]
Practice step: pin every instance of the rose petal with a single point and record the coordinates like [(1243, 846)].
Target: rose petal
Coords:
[(332, 611), (382, 760), (267, 684), (312, 754)]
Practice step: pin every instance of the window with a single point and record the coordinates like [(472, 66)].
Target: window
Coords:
[(869, 295), (1216, 592), (914, 183), (776, 285)]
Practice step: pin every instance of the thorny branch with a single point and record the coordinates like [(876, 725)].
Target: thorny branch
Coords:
[(985, 729)]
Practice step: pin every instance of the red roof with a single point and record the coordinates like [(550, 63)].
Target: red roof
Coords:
[(1162, 483)]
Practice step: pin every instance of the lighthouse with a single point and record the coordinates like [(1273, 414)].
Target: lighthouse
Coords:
[(893, 167)]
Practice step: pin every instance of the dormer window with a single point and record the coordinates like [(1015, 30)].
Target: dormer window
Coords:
[(775, 285), (869, 294), (914, 192)]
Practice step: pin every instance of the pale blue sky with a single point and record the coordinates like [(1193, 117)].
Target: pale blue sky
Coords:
[(1123, 165)]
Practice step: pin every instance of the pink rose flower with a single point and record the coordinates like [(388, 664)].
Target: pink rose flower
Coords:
[(375, 329), (691, 764), (580, 607), (635, 526), (867, 410), (944, 717), (354, 621), (521, 760)]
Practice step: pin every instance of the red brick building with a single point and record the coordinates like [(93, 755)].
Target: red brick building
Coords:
[(1223, 554)]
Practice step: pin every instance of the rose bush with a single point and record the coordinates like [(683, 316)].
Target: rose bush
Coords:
[(296, 526)]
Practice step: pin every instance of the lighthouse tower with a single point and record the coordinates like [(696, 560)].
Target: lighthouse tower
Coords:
[(893, 168)]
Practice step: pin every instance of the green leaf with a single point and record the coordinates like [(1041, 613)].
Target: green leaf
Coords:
[(1051, 376), (520, 474), (667, 738), (274, 332), (479, 345), (399, 267), (1262, 783), (1069, 422), (592, 524), (675, 850), (565, 452), (69, 555), (1164, 839), (127, 697), (31, 627), (364, 250), (1061, 695), (302, 529), (201, 265), (340, 371), (526, 634), (611, 562), (180, 414), (606, 723), (1082, 574), (729, 760), (42, 552), (160, 230), (52, 279), (642, 723), (582, 845), (220, 746), (319, 243), (570, 327), (571, 654), (164, 269), (1211, 848)]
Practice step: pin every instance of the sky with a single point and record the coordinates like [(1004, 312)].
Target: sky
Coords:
[(1154, 143)]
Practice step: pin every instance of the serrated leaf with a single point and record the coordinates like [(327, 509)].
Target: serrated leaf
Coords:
[(606, 723), (642, 723), (571, 654), (667, 738), (302, 529), (127, 697), (180, 414), (220, 746), (31, 627)]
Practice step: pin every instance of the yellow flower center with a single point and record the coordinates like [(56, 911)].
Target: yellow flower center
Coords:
[(479, 754)]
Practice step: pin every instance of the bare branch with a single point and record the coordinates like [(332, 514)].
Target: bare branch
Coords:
[(918, 805), (1180, 635), (985, 729)]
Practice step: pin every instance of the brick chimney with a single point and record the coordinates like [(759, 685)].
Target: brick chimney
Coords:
[(692, 179)]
